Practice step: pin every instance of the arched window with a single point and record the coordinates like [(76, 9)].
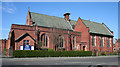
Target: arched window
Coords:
[(61, 41), (108, 42), (74, 42), (101, 42), (44, 40), (93, 40)]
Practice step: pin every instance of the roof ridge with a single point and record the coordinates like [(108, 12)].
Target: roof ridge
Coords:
[(72, 20), (63, 18), (92, 21), (50, 15), (47, 15)]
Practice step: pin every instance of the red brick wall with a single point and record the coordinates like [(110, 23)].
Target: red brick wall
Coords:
[(84, 36), (97, 46), (20, 30), (87, 37), (80, 27), (3, 43)]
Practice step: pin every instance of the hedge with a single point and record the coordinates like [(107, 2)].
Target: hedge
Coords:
[(45, 53)]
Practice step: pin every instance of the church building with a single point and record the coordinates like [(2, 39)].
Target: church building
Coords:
[(42, 32)]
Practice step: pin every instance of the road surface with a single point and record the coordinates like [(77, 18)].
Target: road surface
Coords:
[(100, 60)]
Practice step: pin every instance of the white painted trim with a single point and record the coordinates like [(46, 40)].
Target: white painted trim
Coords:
[(21, 47), (78, 47), (103, 41), (86, 48), (110, 42), (95, 40), (32, 47)]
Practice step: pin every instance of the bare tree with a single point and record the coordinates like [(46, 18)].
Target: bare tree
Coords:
[(55, 38), (56, 34)]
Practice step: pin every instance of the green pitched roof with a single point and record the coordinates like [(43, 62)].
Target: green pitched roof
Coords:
[(95, 27), (57, 22), (50, 21)]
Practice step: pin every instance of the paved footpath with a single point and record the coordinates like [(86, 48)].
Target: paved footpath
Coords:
[(98, 60)]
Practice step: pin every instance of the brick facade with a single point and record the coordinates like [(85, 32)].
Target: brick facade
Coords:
[(48, 31), (87, 37), (77, 39)]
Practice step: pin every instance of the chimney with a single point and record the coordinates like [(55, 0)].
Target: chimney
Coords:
[(115, 40), (66, 16)]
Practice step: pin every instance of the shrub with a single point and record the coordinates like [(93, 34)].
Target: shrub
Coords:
[(102, 53), (106, 53), (44, 48), (50, 53), (50, 49), (63, 49), (110, 53), (115, 53)]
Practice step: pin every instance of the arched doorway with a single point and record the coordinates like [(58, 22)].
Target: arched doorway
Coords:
[(84, 48)]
